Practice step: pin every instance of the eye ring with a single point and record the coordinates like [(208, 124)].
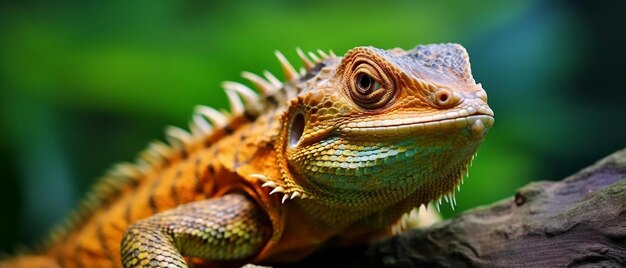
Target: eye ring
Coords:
[(369, 85)]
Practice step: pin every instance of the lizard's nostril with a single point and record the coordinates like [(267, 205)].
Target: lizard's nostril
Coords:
[(445, 98)]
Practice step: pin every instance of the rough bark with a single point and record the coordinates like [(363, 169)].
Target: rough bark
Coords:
[(577, 222)]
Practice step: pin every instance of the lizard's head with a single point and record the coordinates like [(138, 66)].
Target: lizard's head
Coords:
[(379, 126)]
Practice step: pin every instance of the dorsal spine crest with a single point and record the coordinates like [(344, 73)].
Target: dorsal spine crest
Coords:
[(206, 124)]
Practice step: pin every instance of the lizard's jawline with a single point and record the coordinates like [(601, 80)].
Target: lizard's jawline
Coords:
[(450, 123)]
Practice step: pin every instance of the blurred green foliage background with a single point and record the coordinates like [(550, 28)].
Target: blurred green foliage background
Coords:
[(86, 84)]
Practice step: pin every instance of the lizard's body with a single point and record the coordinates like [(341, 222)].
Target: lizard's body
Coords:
[(315, 158)]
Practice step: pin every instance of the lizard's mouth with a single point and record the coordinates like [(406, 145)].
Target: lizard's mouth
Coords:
[(477, 123), (474, 116)]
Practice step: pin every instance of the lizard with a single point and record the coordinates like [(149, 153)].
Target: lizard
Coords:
[(335, 154)]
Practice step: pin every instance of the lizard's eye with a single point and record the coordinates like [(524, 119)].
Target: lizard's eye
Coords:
[(369, 86), (366, 84)]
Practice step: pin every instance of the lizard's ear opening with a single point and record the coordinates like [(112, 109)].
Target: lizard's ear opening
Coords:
[(296, 129)]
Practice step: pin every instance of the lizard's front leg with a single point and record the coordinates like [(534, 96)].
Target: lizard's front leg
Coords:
[(226, 228)]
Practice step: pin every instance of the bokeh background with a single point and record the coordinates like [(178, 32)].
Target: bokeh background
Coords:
[(86, 84)]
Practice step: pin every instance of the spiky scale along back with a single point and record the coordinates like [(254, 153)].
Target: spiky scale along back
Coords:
[(206, 127)]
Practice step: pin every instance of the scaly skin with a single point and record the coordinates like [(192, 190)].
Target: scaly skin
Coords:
[(342, 152)]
